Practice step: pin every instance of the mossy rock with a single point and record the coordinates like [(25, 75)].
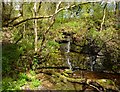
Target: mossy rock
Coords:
[(68, 71)]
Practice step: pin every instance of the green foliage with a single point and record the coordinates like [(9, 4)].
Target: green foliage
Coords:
[(19, 83), (27, 9), (7, 84), (32, 73), (85, 25), (10, 84), (23, 80), (10, 55), (93, 33), (23, 76), (52, 46), (110, 82), (36, 82)]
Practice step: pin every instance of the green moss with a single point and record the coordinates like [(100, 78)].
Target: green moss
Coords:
[(36, 83)]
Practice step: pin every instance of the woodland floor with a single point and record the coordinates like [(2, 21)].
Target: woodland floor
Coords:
[(50, 81)]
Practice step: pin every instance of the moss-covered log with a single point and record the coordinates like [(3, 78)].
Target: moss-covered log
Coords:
[(64, 76)]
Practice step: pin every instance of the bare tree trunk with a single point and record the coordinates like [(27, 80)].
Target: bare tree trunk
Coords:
[(104, 15), (35, 25)]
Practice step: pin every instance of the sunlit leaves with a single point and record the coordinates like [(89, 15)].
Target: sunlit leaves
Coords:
[(27, 12), (93, 33), (47, 8)]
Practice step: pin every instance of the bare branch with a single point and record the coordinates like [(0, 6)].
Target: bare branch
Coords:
[(50, 16), (57, 6), (41, 17), (103, 20), (39, 7)]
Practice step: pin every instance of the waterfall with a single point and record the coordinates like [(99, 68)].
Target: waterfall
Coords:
[(68, 47), (93, 61), (92, 66), (68, 57), (69, 63)]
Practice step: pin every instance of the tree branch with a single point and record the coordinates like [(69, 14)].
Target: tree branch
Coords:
[(39, 7), (42, 17), (103, 20), (57, 6), (13, 19), (53, 21)]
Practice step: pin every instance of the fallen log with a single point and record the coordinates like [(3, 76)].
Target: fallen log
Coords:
[(63, 76)]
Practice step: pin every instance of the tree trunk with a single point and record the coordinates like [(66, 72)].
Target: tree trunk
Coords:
[(35, 25)]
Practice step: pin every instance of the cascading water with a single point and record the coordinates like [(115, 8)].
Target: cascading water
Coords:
[(93, 61), (92, 66), (68, 47), (68, 57)]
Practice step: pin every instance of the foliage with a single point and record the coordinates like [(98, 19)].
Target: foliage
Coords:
[(10, 55), (93, 28), (35, 82), (83, 20), (9, 83)]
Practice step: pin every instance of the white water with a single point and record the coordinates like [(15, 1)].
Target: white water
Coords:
[(92, 67), (68, 47), (69, 63), (68, 57), (92, 63)]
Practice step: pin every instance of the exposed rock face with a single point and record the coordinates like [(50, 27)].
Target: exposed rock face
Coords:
[(79, 50)]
